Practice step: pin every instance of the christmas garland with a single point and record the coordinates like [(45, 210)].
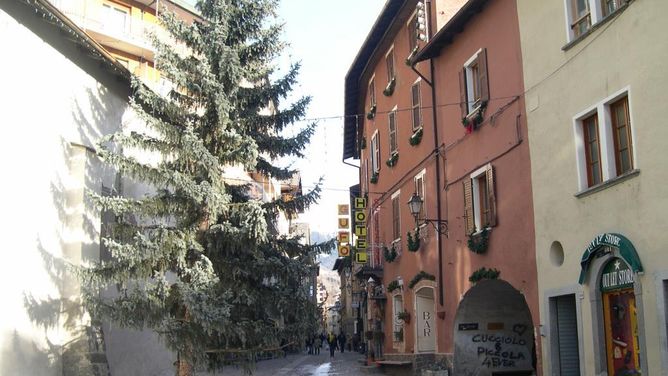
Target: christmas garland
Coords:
[(393, 286), (420, 276), (484, 273), (478, 243), (413, 241), (390, 254)]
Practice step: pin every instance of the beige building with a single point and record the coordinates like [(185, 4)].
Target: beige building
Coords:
[(594, 74)]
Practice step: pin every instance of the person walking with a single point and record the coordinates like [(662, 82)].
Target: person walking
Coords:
[(342, 342), (331, 340), (317, 345)]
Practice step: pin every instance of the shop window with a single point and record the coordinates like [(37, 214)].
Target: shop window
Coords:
[(479, 200), (564, 333), (473, 83)]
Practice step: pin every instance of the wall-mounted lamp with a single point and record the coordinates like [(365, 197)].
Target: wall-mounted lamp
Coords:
[(415, 206)]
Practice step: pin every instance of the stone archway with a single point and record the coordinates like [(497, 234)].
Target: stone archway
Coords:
[(493, 332), (425, 324)]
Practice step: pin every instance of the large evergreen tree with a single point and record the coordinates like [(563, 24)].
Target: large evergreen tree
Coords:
[(198, 261)]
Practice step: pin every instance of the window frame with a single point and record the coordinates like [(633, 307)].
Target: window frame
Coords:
[(109, 7), (374, 151), (602, 109), (396, 216), (589, 158), (473, 210), (371, 87), (416, 107), (551, 328), (390, 65), (413, 32), (419, 182), (597, 11), (393, 140), (615, 135), (397, 324), (474, 83)]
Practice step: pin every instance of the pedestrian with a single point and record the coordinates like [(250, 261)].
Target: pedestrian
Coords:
[(342, 342), (331, 341), (317, 345), (309, 345)]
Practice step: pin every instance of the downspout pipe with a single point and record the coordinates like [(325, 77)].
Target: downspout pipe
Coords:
[(437, 161)]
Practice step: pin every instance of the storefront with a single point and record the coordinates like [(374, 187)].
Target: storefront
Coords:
[(611, 267)]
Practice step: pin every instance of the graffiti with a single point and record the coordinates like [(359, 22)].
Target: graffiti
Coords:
[(500, 339), (500, 357), (519, 329)]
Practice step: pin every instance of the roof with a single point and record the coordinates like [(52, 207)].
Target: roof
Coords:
[(447, 33), (352, 82)]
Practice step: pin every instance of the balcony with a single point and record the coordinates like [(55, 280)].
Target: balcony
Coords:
[(111, 26)]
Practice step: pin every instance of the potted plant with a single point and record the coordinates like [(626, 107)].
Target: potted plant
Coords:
[(389, 89), (416, 137), (374, 178), (392, 161), (404, 316), (399, 335), (372, 112), (478, 242), (390, 254), (393, 286), (413, 241)]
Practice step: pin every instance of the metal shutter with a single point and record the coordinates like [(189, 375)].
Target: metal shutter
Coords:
[(567, 336)]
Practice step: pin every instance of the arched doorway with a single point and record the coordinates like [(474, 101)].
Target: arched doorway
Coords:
[(424, 320), (493, 332)]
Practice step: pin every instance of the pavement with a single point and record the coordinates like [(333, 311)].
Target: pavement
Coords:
[(305, 365)]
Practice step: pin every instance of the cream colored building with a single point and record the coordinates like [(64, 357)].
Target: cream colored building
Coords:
[(595, 78)]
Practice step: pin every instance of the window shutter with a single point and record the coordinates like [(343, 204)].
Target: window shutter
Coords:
[(484, 82), (567, 336), (469, 224), (492, 197), (463, 101)]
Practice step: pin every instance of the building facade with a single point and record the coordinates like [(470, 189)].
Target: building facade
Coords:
[(444, 124), (593, 73)]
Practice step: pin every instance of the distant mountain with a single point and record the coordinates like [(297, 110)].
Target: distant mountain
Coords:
[(326, 260)]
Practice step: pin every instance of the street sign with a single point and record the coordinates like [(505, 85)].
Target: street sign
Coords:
[(361, 257)]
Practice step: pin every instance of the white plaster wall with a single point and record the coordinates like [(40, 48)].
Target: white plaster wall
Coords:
[(49, 103), (628, 51)]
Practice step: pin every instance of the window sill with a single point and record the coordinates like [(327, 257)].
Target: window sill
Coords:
[(595, 26), (608, 183)]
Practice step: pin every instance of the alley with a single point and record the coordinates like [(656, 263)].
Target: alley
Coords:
[(306, 365)]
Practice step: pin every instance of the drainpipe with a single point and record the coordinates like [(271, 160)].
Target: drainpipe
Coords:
[(436, 154)]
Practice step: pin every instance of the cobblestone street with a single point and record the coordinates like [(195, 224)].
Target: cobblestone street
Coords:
[(306, 365)]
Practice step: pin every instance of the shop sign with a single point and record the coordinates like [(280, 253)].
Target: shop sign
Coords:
[(344, 209), (344, 237), (361, 257), (344, 223), (616, 275), (344, 250)]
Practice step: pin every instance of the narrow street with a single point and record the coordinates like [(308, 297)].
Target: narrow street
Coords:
[(306, 365)]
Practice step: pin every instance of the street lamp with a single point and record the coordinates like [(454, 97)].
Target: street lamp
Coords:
[(415, 206)]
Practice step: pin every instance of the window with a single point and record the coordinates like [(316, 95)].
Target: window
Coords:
[(479, 200), (473, 83), (419, 190), (392, 123), (604, 141), (396, 216), (621, 132), (372, 92), (592, 150), (564, 336), (416, 105), (115, 17), (389, 61), (375, 153), (583, 14), (412, 33)]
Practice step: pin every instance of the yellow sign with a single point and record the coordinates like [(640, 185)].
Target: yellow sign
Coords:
[(360, 230), (360, 203), (361, 244), (361, 257), (344, 209), (344, 237), (344, 250), (360, 216), (344, 223)]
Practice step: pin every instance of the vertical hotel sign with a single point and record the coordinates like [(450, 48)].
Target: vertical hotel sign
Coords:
[(344, 234), (360, 230)]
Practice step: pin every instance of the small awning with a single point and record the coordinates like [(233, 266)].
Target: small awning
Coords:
[(626, 250)]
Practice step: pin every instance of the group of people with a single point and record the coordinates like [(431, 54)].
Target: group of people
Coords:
[(315, 342)]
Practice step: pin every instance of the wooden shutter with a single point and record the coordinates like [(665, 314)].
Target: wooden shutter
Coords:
[(463, 100), (491, 220), (469, 224), (484, 82)]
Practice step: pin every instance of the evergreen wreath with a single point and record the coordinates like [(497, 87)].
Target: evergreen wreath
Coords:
[(393, 286), (389, 89), (420, 276), (478, 243), (484, 273), (416, 137), (413, 241), (390, 254), (392, 161)]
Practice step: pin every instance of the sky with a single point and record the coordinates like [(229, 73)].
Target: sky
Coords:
[(325, 37)]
